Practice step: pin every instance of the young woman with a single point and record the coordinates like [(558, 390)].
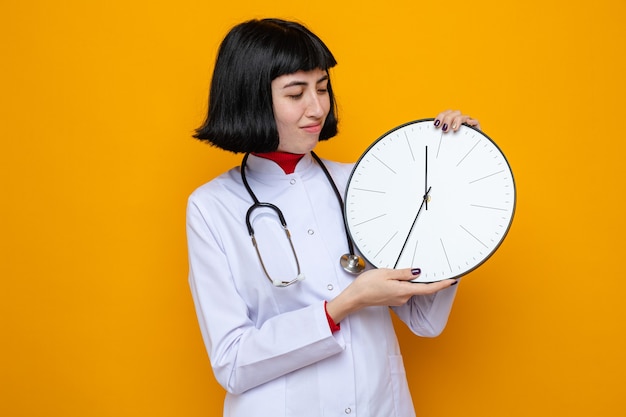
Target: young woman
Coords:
[(288, 331)]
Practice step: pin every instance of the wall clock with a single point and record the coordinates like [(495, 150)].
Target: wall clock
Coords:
[(442, 202)]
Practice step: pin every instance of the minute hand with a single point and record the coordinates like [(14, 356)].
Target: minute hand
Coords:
[(426, 173), (424, 199)]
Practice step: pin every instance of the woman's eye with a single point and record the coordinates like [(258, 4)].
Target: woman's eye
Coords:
[(322, 90), (295, 96)]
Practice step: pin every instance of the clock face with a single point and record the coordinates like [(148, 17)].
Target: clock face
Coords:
[(421, 198)]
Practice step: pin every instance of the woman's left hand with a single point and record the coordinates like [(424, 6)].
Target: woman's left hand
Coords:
[(451, 120)]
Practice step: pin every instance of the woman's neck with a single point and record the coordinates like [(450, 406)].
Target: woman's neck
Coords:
[(287, 161)]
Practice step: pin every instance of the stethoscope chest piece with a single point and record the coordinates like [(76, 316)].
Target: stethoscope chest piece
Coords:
[(353, 264)]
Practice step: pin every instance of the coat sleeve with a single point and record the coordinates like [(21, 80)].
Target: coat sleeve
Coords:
[(244, 354), (427, 315)]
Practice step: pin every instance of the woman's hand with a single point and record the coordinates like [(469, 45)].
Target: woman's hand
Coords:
[(451, 120), (381, 287)]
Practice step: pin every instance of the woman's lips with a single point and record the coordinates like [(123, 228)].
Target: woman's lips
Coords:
[(316, 128)]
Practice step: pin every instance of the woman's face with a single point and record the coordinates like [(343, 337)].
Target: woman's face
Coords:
[(301, 103)]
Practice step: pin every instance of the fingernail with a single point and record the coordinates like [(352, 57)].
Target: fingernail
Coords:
[(453, 126), (416, 271), (437, 122), (445, 127), (454, 283)]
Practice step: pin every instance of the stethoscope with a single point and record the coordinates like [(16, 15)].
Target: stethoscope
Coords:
[(350, 262)]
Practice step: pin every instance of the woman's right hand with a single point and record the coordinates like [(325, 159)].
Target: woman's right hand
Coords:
[(381, 287), (451, 121)]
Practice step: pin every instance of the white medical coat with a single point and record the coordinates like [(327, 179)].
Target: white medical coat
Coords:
[(272, 348)]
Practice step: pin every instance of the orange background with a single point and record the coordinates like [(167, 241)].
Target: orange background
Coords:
[(98, 103)]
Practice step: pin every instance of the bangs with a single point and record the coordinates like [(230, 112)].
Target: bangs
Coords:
[(297, 49)]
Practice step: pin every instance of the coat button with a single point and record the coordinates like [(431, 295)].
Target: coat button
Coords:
[(311, 231), (348, 410), (330, 287), (292, 182)]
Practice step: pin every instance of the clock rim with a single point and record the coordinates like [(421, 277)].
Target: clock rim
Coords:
[(385, 135)]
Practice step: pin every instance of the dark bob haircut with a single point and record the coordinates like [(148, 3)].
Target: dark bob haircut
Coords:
[(253, 53)]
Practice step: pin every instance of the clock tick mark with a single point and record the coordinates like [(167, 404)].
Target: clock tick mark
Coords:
[(445, 254), (385, 245), (470, 233), (409, 145), (370, 190), (384, 164), (468, 152), (486, 176), (488, 207), (370, 220), (439, 145)]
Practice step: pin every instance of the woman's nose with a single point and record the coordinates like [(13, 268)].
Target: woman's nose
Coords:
[(315, 107)]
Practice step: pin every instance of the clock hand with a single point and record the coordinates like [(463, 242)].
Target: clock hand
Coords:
[(426, 175), (424, 200)]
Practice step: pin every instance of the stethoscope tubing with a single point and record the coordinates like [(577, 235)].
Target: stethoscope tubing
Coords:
[(339, 200), (350, 262)]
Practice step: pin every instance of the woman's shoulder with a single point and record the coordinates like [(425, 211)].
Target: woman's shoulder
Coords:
[(334, 164), (345, 166), (217, 188), (338, 169)]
